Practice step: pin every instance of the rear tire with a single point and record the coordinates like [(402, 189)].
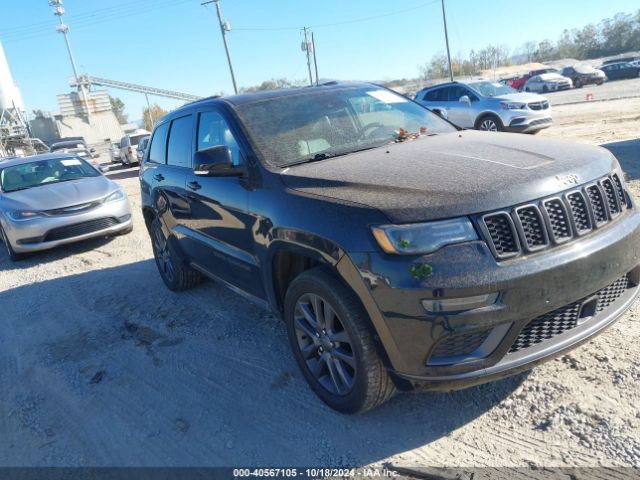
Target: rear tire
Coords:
[(489, 123), (329, 333), (577, 84), (176, 274), (13, 255)]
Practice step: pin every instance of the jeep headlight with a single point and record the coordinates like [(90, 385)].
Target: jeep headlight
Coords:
[(420, 238), (512, 105), (117, 195)]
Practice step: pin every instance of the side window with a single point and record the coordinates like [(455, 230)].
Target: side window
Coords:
[(213, 130), (158, 148), (123, 142), (179, 144), (435, 95), (456, 92)]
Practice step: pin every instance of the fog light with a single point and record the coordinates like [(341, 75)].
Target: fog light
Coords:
[(458, 304), (124, 218)]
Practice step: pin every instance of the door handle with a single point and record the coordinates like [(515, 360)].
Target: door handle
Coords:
[(159, 177), (194, 185)]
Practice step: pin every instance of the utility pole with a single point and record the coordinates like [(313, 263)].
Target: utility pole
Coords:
[(224, 28), (306, 46), (446, 38), (58, 11), (151, 120), (315, 60)]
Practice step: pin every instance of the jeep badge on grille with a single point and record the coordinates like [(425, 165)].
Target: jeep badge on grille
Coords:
[(570, 179)]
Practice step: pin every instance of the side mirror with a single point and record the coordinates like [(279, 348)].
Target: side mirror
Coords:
[(93, 150), (215, 162), (465, 99), (442, 114)]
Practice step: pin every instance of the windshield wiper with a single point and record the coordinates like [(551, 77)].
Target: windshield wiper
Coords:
[(317, 157)]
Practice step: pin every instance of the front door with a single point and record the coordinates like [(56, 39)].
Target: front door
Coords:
[(220, 225)]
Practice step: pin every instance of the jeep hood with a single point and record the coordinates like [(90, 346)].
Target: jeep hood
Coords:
[(451, 174)]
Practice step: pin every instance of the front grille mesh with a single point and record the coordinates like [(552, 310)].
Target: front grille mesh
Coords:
[(80, 229), (597, 204), (558, 219), (457, 345), (559, 321), (502, 234), (531, 221), (551, 221)]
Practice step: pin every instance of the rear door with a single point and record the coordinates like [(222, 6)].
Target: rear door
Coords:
[(220, 226), (170, 179)]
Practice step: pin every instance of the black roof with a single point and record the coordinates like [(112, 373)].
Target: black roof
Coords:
[(246, 98)]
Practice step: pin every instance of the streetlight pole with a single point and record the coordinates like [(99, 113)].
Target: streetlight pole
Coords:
[(224, 28), (446, 38), (306, 46)]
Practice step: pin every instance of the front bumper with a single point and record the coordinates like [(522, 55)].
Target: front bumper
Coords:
[(525, 121), (42, 233), (527, 287)]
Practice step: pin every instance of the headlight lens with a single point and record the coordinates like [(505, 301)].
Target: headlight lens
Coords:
[(512, 105), (420, 238), (117, 195), (23, 214)]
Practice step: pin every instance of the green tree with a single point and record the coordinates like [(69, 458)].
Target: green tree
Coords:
[(151, 116), (117, 106)]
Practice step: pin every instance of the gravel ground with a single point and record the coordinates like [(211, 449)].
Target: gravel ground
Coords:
[(101, 365)]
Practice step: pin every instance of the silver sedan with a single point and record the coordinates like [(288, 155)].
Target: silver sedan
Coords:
[(547, 82), (54, 199)]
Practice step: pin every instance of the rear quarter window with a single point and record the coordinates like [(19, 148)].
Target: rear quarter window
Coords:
[(158, 148)]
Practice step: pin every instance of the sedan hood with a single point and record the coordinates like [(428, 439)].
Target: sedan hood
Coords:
[(59, 195), (453, 174)]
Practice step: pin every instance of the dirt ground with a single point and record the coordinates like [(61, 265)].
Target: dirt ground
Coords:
[(101, 365)]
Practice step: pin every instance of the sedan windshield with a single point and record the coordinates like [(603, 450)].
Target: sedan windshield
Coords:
[(42, 172), (491, 89), (317, 124)]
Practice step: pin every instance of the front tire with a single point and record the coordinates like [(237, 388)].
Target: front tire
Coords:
[(13, 255), (489, 123), (176, 274), (329, 333)]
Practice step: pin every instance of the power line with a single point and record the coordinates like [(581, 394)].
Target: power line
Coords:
[(86, 20)]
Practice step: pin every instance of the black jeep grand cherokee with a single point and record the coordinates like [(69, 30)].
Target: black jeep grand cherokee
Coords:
[(399, 250)]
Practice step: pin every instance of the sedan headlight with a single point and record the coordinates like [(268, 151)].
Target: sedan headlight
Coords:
[(117, 195), (420, 238), (23, 214), (512, 105)]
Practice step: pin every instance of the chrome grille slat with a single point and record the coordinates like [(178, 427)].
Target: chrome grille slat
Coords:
[(554, 220)]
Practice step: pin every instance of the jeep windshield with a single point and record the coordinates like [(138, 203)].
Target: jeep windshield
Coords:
[(314, 124)]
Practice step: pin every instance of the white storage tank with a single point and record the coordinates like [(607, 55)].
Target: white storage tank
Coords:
[(9, 92)]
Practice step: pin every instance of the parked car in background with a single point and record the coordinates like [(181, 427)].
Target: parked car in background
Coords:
[(57, 198), (128, 144), (519, 82), (620, 59), (619, 71), (488, 106), (399, 251), (78, 147), (114, 152), (547, 82), (582, 75), (142, 147)]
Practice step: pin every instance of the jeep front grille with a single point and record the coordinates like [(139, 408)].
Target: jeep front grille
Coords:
[(551, 221)]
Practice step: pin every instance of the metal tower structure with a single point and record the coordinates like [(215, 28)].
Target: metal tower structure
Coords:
[(59, 11)]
